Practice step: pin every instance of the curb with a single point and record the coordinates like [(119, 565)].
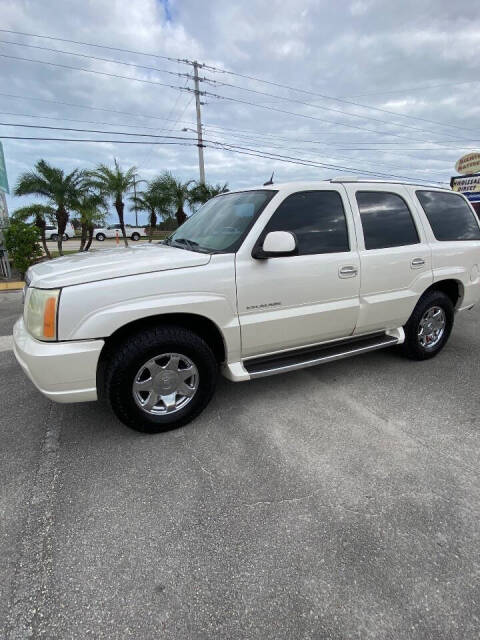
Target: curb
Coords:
[(11, 286)]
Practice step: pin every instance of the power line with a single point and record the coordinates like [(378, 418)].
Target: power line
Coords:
[(328, 152), (147, 135), (190, 144), (317, 106), (90, 44), (302, 115), (108, 124), (417, 88), (83, 106), (341, 98), (119, 133), (255, 79), (84, 55), (226, 84), (223, 147), (239, 133), (99, 73), (176, 87), (320, 166)]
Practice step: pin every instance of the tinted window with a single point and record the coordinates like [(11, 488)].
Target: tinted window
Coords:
[(386, 220), (449, 216), (317, 218)]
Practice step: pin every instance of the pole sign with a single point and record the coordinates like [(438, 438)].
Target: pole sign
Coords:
[(3, 172), (468, 164), (469, 186)]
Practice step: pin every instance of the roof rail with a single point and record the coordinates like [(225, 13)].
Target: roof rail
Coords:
[(383, 181)]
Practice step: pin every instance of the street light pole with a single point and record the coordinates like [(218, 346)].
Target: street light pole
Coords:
[(200, 145), (135, 201)]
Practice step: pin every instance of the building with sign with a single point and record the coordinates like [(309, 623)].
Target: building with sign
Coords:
[(468, 183)]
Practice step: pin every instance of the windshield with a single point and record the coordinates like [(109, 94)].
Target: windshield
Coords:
[(222, 223)]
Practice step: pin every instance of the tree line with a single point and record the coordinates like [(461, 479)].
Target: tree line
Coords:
[(87, 194)]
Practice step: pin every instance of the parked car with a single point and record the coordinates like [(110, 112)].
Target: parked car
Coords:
[(51, 232), (256, 283), (134, 233)]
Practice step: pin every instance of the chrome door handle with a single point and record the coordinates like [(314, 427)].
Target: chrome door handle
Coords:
[(348, 271), (417, 262)]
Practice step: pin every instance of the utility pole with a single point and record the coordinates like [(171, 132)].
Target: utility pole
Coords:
[(135, 201), (200, 144)]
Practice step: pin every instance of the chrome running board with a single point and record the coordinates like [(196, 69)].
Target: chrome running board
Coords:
[(311, 356)]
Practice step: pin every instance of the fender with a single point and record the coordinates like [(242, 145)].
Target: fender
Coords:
[(98, 309)]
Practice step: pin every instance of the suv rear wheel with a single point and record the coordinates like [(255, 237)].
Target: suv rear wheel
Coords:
[(429, 326), (100, 237), (160, 378), (135, 236)]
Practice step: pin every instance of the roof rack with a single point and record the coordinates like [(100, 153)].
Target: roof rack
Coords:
[(383, 181)]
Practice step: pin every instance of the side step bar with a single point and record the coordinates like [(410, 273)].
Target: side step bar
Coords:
[(311, 356)]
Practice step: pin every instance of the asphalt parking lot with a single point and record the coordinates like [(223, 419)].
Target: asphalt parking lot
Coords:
[(337, 502)]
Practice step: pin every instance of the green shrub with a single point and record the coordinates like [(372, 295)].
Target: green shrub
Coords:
[(21, 241)]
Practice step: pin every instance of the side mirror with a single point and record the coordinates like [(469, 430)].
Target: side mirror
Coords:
[(276, 243)]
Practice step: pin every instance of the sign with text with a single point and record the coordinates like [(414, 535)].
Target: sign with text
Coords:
[(469, 163), (468, 185)]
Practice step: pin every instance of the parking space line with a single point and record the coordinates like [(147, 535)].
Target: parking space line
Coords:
[(6, 343)]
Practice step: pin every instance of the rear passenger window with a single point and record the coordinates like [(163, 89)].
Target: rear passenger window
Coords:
[(317, 218), (449, 216), (386, 220)]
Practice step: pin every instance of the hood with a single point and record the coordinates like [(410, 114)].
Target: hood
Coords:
[(111, 263)]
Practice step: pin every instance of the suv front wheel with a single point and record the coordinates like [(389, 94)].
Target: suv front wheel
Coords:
[(429, 326), (160, 378)]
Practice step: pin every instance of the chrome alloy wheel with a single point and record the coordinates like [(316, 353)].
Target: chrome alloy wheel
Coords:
[(432, 327), (165, 384)]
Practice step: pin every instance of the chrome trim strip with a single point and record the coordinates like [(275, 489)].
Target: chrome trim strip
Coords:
[(321, 360)]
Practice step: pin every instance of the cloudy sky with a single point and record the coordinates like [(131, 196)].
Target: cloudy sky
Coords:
[(355, 86)]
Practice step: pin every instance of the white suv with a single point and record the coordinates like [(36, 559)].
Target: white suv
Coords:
[(256, 283)]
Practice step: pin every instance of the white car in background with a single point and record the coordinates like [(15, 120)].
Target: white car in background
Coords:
[(51, 232), (134, 233)]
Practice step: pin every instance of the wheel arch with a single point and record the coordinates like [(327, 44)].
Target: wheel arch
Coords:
[(201, 325), (451, 287)]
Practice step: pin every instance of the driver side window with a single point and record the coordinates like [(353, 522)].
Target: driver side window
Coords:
[(317, 218)]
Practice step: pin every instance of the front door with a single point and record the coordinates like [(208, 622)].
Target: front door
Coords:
[(291, 301)]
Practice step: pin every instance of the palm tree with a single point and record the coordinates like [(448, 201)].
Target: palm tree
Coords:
[(60, 190), (176, 191), (40, 214), (89, 208), (202, 192), (153, 201), (114, 183)]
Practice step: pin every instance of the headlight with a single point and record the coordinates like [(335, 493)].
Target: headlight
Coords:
[(41, 313)]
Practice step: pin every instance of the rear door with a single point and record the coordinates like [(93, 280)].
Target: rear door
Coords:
[(296, 300), (395, 257)]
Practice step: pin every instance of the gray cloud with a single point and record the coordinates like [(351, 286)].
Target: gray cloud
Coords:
[(383, 52)]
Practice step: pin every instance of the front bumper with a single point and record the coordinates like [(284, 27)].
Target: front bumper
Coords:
[(62, 371)]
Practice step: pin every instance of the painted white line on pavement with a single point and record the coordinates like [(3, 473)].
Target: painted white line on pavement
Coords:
[(6, 343)]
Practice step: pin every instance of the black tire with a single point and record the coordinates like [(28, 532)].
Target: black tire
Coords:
[(412, 347), (135, 236), (125, 360), (100, 237), (65, 237), (54, 237)]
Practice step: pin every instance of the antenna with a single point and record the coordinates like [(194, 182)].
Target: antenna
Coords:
[(265, 184)]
